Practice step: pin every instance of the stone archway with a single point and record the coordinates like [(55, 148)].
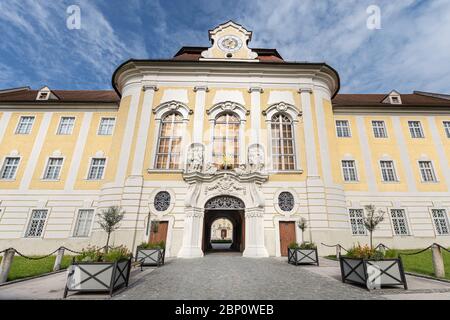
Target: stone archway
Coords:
[(228, 207)]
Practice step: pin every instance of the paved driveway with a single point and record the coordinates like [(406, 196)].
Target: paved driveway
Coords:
[(230, 276)]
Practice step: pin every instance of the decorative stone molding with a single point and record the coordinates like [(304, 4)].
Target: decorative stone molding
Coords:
[(149, 87), (195, 157), (165, 107), (225, 202), (254, 213), (226, 185), (151, 202), (194, 213), (282, 107), (255, 89), (227, 106)]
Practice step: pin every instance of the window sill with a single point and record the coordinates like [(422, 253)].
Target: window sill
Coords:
[(7, 180), (352, 182), (285, 172), (50, 180), (390, 182)]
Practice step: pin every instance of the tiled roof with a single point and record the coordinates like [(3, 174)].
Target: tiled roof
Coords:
[(376, 100), (26, 95)]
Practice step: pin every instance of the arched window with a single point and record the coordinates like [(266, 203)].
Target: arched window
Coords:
[(283, 150), (226, 140), (169, 144)]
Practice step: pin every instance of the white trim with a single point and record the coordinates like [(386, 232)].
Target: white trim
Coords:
[(408, 222), (356, 171), (366, 153), (86, 176), (348, 127), (75, 220), (437, 140), (199, 113), (100, 123), (35, 152), (141, 143), (433, 171), (296, 202), (161, 110), (78, 151), (310, 143), (27, 224), (171, 221), (255, 97), (446, 216), (4, 121), (127, 140), (151, 202), (386, 159), (366, 233), (323, 138), (404, 155), (32, 124)]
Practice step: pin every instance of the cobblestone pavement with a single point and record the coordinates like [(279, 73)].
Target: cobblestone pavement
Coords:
[(228, 276)]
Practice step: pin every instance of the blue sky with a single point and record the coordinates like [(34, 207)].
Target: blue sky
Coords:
[(410, 52)]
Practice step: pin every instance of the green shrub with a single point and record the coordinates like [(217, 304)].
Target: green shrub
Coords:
[(152, 245), (293, 245), (364, 252), (96, 254), (116, 254), (308, 246)]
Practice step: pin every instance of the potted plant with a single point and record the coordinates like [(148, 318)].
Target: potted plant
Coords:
[(368, 266), (97, 271), (151, 254), (304, 253), (109, 221)]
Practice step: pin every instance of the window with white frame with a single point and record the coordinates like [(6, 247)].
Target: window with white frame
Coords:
[(53, 169), (83, 223), (440, 220), (427, 171), (226, 139), (388, 171), (379, 129), (9, 168), (399, 222), (415, 128), (25, 124), (357, 222), (97, 169), (342, 128), (66, 125), (106, 127), (447, 128), (349, 170), (36, 224), (169, 143), (283, 150)]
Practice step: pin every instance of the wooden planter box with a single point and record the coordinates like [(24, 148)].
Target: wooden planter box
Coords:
[(98, 276), (388, 272), (151, 257), (303, 256)]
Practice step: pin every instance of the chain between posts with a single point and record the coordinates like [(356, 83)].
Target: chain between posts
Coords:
[(334, 246)]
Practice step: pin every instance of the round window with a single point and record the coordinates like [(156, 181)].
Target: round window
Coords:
[(162, 201), (286, 201)]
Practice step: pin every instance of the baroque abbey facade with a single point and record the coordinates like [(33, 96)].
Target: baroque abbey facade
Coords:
[(222, 132)]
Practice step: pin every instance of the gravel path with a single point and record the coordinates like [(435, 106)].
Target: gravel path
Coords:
[(228, 276)]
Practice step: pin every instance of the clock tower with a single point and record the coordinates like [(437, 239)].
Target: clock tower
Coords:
[(230, 42)]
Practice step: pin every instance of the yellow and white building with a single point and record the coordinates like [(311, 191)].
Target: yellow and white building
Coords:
[(222, 132)]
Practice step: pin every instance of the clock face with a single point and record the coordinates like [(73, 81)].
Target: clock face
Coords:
[(230, 43)]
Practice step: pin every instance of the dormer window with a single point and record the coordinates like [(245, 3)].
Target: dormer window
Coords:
[(43, 96), (393, 98)]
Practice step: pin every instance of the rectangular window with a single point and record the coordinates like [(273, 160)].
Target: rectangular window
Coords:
[(96, 169), (53, 169), (9, 168), (415, 128), (379, 129), (388, 171), (106, 127), (83, 224), (349, 170), (66, 125), (399, 222), (447, 128), (342, 128), (36, 224), (440, 221), (25, 125), (427, 171), (357, 222)]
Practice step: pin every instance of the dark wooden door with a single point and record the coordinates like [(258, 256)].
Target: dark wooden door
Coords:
[(161, 233), (287, 236)]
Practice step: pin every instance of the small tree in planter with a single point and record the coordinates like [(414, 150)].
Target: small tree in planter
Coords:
[(304, 253), (151, 254), (371, 220), (95, 271), (109, 221)]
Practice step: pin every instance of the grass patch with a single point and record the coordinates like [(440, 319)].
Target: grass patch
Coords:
[(421, 263), (24, 268)]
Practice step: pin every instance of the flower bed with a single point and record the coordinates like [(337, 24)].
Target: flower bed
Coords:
[(151, 254), (305, 253)]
